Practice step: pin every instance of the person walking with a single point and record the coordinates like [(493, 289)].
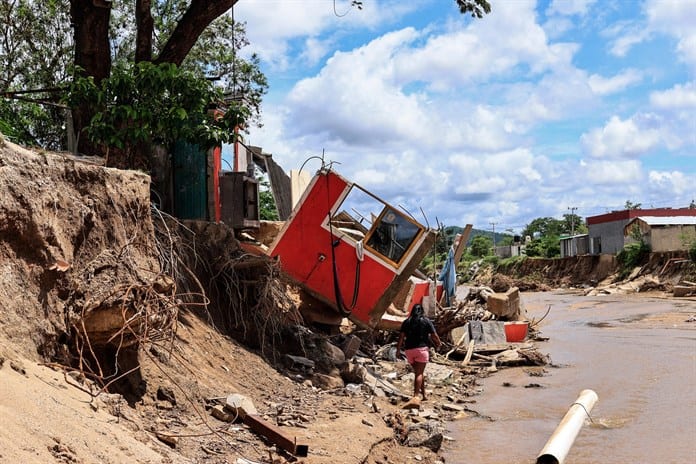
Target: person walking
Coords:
[(416, 336)]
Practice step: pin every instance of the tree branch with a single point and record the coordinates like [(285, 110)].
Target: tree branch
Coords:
[(145, 27), (197, 17)]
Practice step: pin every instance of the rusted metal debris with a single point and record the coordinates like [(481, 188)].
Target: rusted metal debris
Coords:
[(275, 435)]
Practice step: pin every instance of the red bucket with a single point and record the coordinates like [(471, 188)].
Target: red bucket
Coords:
[(516, 332)]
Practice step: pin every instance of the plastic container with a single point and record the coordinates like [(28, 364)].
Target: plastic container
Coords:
[(516, 332)]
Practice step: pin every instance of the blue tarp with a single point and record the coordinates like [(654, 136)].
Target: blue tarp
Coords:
[(448, 276)]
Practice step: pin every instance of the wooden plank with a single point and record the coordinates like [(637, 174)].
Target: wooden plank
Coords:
[(494, 348), (462, 244), (469, 352)]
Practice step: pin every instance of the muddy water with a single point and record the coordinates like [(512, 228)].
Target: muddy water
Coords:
[(637, 353)]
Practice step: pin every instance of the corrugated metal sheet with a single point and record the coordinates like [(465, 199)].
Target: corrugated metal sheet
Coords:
[(668, 221), (190, 186)]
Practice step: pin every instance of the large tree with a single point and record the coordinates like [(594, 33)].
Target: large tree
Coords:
[(174, 42), (108, 37)]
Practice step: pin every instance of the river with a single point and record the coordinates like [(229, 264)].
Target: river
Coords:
[(637, 352)]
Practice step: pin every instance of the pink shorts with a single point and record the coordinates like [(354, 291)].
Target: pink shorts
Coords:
[(421, 355)]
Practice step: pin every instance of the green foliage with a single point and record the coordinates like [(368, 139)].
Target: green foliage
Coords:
[(35, 52), (268, 211), (544, 247), (477, 8), (445, 239), (632, 255), (480, 246), (151, 103), (544, 226), (574, 224), (491, 260), (215, 56), (692, 252), (630, 205)]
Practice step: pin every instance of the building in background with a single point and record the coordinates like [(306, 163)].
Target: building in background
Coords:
[(663, 233), (607, 231)]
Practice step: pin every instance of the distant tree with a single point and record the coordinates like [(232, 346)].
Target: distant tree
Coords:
[(481, 246), (692, 205), (544, 226), (630, 205), (574, 223)]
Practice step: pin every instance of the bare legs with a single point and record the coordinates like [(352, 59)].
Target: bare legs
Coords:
[(419, 378)]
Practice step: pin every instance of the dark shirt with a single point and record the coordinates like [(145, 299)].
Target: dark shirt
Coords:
[(417, 332)]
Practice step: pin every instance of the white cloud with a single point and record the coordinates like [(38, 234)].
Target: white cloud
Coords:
[(678, 19), (673, 181), (569, 7), (675, 18), (623, 44), (608, 85), (315, 50), (620, 139), (681, 96), (274, 24), (613, 173), (450, 117)]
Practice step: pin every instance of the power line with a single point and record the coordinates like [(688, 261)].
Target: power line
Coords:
[(572, 219)]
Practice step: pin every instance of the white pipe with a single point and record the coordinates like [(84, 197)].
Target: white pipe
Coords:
[(556, 449)]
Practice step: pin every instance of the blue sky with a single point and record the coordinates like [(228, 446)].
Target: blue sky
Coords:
[(536, 108)]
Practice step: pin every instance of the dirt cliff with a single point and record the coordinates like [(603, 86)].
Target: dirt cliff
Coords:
[(106, 356)]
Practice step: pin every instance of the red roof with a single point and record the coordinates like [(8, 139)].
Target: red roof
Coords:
[(634, 213)]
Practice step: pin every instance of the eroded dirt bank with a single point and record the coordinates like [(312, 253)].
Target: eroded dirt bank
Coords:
[(118, 328), (122, 329)]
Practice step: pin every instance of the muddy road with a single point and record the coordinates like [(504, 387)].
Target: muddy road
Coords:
[(637, 352)]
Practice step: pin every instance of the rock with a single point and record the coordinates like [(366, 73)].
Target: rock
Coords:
[(218, 412), (351, 346), (18, 367), (427, 435), (240, 405), (335, 354), (413, 403), (298, 363), (168, 439), (166, 394), (353, 373), (327, 382)]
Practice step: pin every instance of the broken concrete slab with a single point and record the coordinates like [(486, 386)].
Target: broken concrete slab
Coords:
[(681, 291), (505, 305), (487, 333)]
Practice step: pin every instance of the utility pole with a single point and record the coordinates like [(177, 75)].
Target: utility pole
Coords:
[(493, 224), (572, 219)]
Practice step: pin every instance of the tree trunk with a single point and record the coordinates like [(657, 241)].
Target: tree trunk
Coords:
[(90, 20), (198, 16), (145, 25)]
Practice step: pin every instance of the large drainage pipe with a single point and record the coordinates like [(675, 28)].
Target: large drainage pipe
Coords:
[(556, 449)]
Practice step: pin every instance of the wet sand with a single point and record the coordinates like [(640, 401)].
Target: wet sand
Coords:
[(637, 352)]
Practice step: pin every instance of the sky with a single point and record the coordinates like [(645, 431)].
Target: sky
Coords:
[(539, 109)]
